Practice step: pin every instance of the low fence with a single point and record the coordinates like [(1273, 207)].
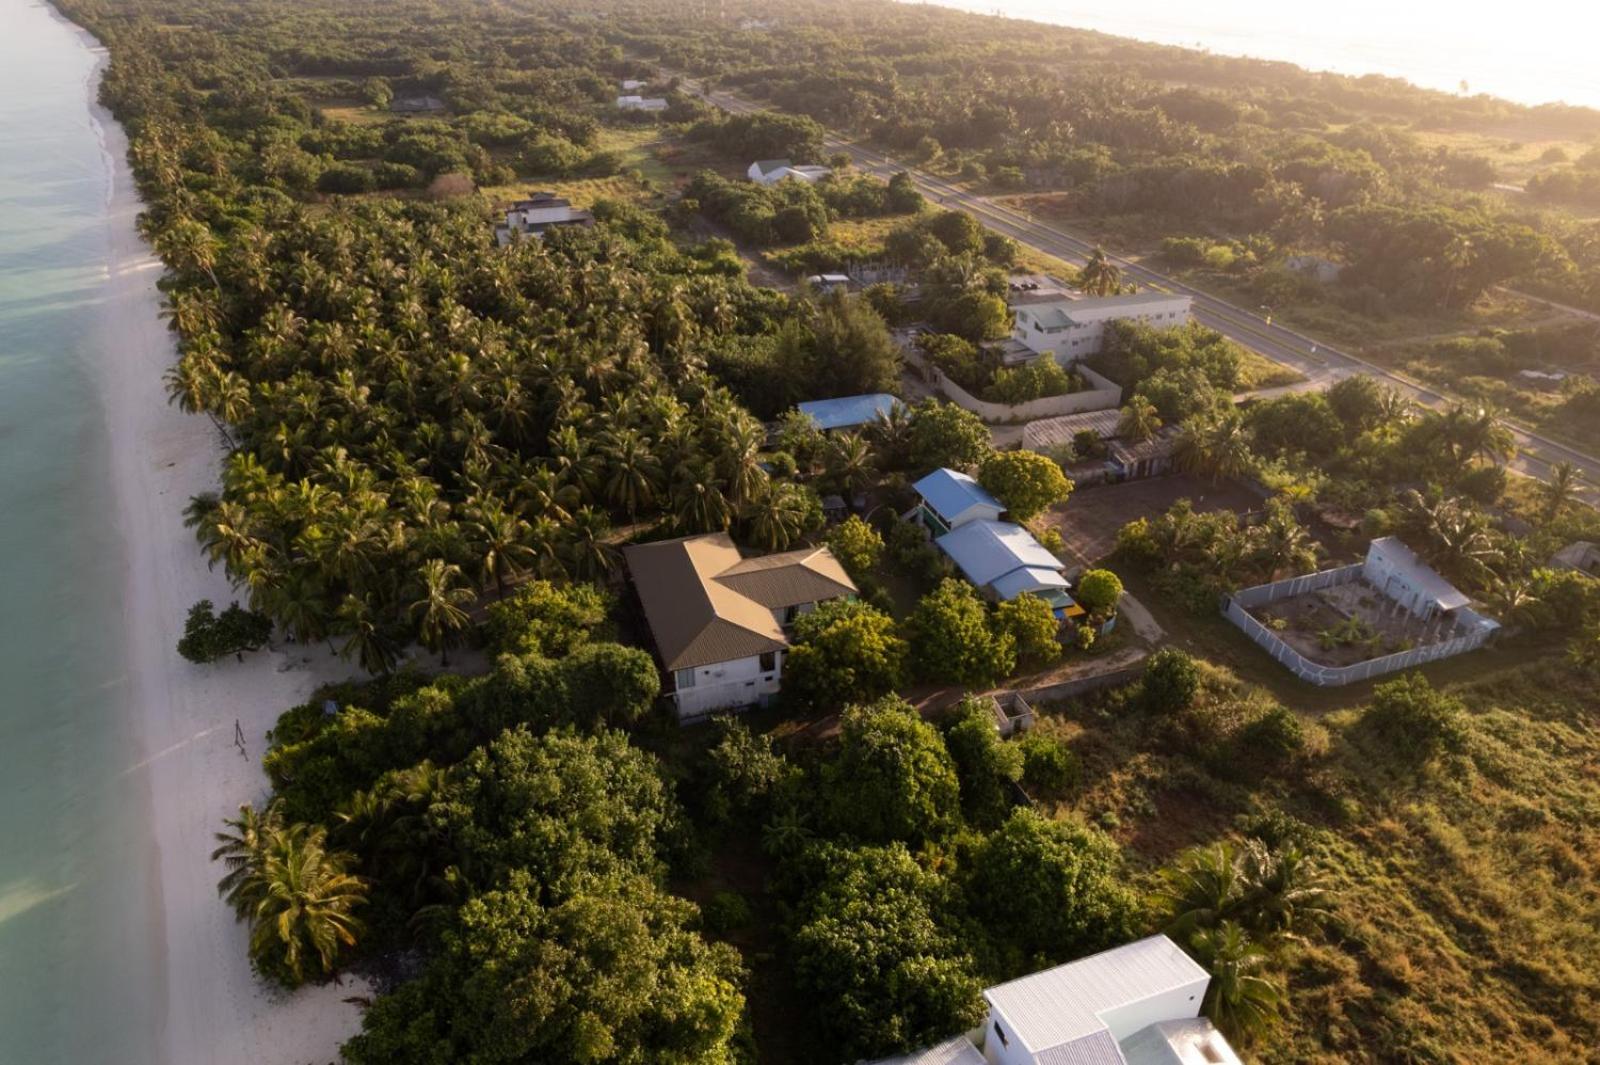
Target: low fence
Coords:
[(1050, 693), (1103, 394), (1235, 609)]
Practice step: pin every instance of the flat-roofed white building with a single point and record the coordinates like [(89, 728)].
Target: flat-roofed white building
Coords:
[(1137, 1004), (641, 103), (1072, 329), (1106, 1009), (772, 171)]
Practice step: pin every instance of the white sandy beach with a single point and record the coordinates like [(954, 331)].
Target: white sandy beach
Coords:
[(216, 1011)]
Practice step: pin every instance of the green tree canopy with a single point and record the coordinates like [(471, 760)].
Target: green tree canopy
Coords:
[(893, 778), (876, 952), (844, 651), (942, 434), (1027, 482), (986, 765), (612, 975), (1050, 891), (952, 639)]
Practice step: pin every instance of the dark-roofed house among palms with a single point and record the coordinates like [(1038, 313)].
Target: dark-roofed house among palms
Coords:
[(720, 621)]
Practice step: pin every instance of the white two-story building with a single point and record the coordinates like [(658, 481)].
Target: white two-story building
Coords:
[(1073, 329), (720, 621)]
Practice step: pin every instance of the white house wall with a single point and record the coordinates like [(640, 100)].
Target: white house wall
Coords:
[(728, 685), (997, 1053), (1177, 1004)]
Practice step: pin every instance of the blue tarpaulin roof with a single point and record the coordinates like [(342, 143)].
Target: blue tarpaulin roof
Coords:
[(952, 493), (848, 411)]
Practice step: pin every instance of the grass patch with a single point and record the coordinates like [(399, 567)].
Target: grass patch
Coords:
[(1465, 926)]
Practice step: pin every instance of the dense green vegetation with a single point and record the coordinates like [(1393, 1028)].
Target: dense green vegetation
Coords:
[(434, 440)]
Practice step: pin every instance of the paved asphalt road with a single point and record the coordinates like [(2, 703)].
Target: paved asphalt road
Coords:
[(1321, 364)]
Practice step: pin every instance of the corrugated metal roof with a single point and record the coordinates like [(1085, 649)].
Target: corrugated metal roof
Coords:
[(986, 551), (957, 1051), (1035, 579), (847, 411), (1064, 1004), (1390, 551), (1096, 1048), (767, 166), (1050, 432), (952, 493), (706, 604)]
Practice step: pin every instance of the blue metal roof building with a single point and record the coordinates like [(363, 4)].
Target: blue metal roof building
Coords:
[(847, 412), (1005, 560), (952, 498)]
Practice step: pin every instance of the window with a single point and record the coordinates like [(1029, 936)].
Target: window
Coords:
[(1002, 1034), (790, 613), (684, 678), (769, 661)]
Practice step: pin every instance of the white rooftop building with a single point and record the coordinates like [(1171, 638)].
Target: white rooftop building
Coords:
[(1137, 1004), (1072, 329), (1396, 571), (641, 103), (772, 171)]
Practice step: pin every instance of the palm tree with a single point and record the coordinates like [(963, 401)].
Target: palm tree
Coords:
[(1099, 276), (777, 517), (698, 502), (1241, 1000), (633, 477), (1213, 445), (1139, 421), (500, 541), (439, 611), (1562, 487), (303, 897), (1203, 890), (241, 851), (1282, 543), (1283, 892), (367, 640), (586, 545), (847, 464)]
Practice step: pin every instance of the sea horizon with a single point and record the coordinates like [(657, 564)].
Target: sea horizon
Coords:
[(1428, 44)]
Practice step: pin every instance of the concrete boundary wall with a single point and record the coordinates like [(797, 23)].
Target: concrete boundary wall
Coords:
[(1235, 609), (1103, 394)]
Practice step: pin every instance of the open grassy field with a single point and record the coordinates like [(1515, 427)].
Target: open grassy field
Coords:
[(1466, 924)]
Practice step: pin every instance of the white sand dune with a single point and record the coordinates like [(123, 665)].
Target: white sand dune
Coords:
[(217, 1013)]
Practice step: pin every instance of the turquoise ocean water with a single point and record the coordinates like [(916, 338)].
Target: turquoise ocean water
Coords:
[(80, 968)]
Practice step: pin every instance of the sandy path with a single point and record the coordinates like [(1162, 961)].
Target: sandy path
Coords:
[(217, 1014)]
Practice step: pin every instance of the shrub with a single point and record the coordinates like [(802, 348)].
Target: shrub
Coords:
[(985, 764), (1415, 720), (726, 912), (1098, 591), (1171, 682), (1048, 764), (1276, 738)]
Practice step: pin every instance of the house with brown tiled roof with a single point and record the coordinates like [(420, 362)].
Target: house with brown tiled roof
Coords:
[(720, 621)]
